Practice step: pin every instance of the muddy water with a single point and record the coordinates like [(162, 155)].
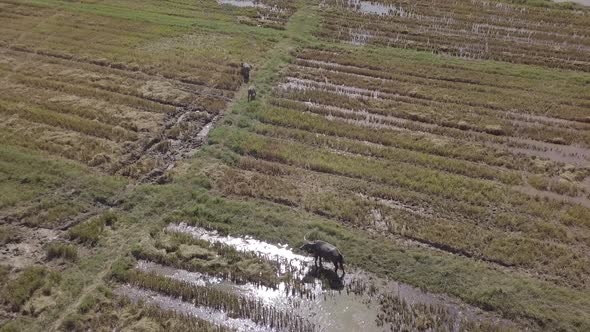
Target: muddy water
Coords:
[(332, 311), (287, 260), (376, 8), (169, 303), (206, 129), (242, 3), (293, 83), (333, 303)]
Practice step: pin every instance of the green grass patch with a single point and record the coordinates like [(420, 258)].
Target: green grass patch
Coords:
[(89, 232), (61, 250), (18, 291)]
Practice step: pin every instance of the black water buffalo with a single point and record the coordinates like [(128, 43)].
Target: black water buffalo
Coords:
[(246, 72), (321, 249), (251, 93)]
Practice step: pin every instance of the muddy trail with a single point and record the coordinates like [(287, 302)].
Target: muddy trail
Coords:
[(306, 297), (192, 125)]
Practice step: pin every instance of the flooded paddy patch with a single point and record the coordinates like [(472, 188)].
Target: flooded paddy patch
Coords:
[(360, 37), (243, 3), (286, 259), (268, 13), (374, 8), (293, 83), (217, 317), (355, 301)]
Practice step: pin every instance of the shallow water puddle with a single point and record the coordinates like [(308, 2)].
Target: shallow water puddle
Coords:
[(293, 83), (375, 8), (164, 302), (357, 301), (268, 295), (360, 37), (370, 7), (243, 3), (329, 310), (194, 278), (287, 260), (253, 4), (206, 129)]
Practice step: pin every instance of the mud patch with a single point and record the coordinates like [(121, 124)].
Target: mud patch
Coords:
[(567, 154), (376, 8), (293, 83), (359, 37), (27, 247), (184, 131), (529, 190), (243, 3)]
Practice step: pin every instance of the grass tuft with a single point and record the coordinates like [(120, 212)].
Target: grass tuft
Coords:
[(61, 250)]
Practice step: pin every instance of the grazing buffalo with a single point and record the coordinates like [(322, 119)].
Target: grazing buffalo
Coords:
[(246, 72), (251, 93), (321, 249)]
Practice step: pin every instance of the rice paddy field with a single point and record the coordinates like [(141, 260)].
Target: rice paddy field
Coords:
[(442, 146)]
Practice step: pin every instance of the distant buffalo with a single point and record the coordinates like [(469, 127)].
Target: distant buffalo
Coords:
[(246, 72), (251, 93)]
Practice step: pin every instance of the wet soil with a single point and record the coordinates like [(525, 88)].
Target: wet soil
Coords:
[(332, 301), (164, 302), (375, 8), (529, 190), (242, 3), (28, 246), (568, 154)]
